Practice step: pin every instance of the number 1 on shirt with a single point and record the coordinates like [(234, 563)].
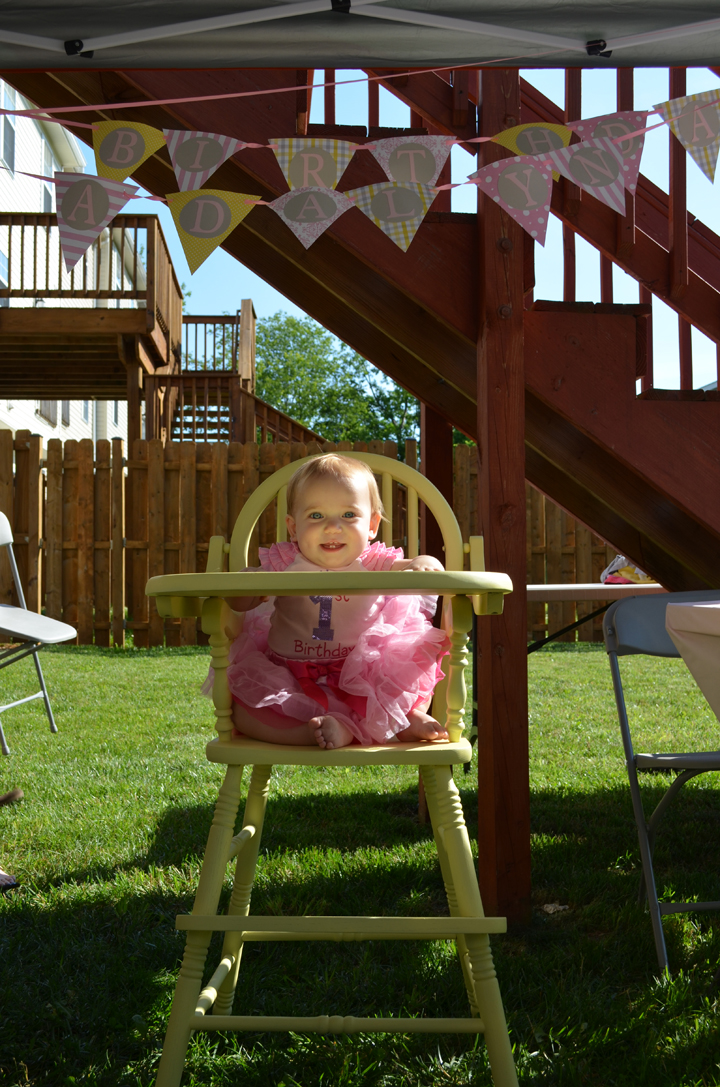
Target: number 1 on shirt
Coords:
[(323, 632)]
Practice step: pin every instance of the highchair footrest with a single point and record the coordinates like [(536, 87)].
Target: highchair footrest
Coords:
[(336, 1024), (350, 928)]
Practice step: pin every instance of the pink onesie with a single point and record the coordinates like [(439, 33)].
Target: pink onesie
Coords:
[(367, 660)]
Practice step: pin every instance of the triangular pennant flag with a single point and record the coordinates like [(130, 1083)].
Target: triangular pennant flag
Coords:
[(85, 206), (120, 147), (310, 163), (523, 187), (417, 159), (695, 120), (615, 126), (597, 166), (309, 212), (195, 156), (397, 209), (534, 139), (205, 217)]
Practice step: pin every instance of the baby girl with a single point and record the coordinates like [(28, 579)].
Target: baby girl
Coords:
[(330, 670)]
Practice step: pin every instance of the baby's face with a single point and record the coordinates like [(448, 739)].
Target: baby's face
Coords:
[(333, 521)]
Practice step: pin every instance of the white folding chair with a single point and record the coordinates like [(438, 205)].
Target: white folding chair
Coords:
[(29, 631), (637, 625)]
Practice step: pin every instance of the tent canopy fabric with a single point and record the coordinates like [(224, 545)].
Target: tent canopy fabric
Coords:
[(53, 34)]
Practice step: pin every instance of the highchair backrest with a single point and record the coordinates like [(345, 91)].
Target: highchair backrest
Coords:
[(418, 488)]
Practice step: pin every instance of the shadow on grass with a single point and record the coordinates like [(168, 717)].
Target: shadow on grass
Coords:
[(92, 979)]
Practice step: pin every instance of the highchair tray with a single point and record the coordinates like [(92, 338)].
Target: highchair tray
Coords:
[(240, 751), (364, 582)]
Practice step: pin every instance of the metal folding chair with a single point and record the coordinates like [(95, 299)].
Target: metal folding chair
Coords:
[(29, 632), (631, 626)]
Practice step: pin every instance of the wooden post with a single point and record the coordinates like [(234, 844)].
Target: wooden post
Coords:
[(53, 530), (156, 531), (503, 771), (677, 220), (137, 531), (436, 464), (134, 387), (103, 541), (34, 523), (85, 541), (118, 545)]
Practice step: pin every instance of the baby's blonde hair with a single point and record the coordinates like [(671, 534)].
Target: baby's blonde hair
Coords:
[(334, 466)]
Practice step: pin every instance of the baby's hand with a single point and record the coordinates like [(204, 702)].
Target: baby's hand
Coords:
[(424, 562), (244, 603)]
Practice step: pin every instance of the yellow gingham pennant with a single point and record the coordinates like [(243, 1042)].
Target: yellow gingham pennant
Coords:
[(309, 162), (397, 209), (698, 129)]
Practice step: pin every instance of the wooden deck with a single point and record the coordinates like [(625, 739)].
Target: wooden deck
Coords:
[(79, 334)]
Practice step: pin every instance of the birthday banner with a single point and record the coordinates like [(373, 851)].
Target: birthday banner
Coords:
[(195, 156), (85, 206), (313, 163), (605, 163), (205, 217), (309, 212), (417, 159), (597, 166), (695, 120), (120, 148), (397, 209), (523, 187)]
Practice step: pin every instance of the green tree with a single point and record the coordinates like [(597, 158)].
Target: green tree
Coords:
[(313, 377)]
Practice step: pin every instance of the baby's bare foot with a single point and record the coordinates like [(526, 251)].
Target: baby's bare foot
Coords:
[(422, 727), (329, 732)]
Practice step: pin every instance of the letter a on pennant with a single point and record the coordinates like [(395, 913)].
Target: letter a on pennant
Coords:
[(695, 120), (312, 163), (310, 211), (205, 217), (120, 147), (195, 156), (85, 206), (397, 209)]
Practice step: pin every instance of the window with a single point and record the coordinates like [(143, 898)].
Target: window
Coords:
[(116, 412), (8, 129), (47, 409), (3, 277), (86, 411), (65, 412), (48, 170)]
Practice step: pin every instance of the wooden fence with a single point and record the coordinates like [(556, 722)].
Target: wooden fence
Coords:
[(91, 526)]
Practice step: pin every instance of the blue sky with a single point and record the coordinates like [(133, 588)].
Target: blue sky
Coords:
[(220, 284)]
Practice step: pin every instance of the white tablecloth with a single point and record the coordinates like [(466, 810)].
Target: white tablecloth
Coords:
[(695, 630)]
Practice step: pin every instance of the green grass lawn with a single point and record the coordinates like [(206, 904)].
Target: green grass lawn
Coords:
[(107, 848)]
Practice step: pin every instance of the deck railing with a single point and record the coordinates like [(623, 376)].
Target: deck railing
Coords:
[(128, 266)]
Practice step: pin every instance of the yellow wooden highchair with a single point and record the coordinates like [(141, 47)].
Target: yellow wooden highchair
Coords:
[(201, 594)]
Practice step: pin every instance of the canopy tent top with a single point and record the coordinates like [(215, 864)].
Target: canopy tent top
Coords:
[(60, 34)]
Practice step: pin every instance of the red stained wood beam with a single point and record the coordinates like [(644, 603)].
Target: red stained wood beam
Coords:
[(677, 221)]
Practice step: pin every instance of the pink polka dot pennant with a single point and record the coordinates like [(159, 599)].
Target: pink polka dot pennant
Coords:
[(523, 187)]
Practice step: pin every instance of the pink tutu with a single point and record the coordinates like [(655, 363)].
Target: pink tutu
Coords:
[(392, 669)]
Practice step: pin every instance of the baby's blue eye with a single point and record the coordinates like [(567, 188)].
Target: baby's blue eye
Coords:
[(349, 514), (315, 516)]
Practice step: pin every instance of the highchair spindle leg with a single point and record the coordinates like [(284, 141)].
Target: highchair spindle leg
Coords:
[(449, 824), (212, 874), (431, 796), (243, 883)]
